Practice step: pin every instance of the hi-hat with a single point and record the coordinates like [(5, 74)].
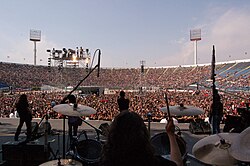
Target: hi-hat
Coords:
[(69, 110), (214, 149), (241, 147), (64, 162), (183, 110)]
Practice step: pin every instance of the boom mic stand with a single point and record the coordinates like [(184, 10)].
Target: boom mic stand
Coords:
[(214, 123), (66, 97)]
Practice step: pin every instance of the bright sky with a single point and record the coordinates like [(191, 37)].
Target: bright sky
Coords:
[(126, 31)]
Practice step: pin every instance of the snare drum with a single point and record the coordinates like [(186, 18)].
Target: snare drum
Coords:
[(89, 151), (161, 144)]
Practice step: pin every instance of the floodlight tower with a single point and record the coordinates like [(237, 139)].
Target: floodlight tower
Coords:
[(35, 36), (195, 35)]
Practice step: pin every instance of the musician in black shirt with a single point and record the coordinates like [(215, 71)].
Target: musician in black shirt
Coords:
[(123, 103)]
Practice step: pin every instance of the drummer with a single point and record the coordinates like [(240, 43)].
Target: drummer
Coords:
[(128, 143)]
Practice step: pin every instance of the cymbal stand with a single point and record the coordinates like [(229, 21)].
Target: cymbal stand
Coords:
[(72, 151), (149, 116), (66, 97)]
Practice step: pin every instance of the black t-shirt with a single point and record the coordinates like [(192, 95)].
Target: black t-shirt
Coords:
[(123, 104)]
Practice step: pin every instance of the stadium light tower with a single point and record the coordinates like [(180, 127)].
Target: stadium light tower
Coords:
[(195, 35), (35, 36)]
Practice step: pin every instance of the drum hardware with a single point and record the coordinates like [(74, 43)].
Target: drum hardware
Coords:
[(62, 162), (161, 144), (215, 149), (87, 151), (240, 149), (74, 110), (75, 88), (182, 110)]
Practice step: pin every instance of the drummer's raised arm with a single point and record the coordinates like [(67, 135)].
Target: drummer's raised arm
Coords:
[(175, 152)]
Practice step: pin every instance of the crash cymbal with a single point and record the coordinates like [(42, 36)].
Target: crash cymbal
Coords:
[(183, 110), (64, 162), (214, 149), (74, 110), (241, 147)]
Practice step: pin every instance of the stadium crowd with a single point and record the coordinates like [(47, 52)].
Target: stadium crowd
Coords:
[(107, 108), (24, 78)]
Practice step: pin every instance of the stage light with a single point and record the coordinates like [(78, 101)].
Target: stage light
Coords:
[(74, 58), (49, 64), (58, 51), (72, 51)]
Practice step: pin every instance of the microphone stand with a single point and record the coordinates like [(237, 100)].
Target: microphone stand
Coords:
[(65, 98), (149, 116), (214, 123)]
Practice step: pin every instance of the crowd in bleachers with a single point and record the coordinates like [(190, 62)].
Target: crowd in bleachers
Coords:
[(26, 77), (234, 75)]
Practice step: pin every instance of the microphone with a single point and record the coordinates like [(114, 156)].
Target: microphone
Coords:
[(99, 59)]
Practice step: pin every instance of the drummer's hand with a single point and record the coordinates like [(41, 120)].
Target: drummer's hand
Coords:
[(170, 127)]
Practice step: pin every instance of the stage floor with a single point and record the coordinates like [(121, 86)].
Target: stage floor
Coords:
[(8, 127)]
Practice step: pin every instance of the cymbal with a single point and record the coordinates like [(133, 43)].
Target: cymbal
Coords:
[(214, 149), (241, 147), (69, 110), (183, 110), (64, 162)]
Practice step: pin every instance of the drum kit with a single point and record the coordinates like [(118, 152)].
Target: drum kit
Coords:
[(81, 152), (224, 149), (219, 149)]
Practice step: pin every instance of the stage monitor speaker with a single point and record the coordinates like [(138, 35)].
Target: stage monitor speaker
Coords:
[(30, 154), (199, 127)]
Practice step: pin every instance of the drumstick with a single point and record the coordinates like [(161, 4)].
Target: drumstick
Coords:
[(166, 99)]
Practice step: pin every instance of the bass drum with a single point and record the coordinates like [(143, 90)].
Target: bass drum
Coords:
[(161, 145), (89, 151)]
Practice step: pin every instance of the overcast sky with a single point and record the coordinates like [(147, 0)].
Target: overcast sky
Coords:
[(127, 31)]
